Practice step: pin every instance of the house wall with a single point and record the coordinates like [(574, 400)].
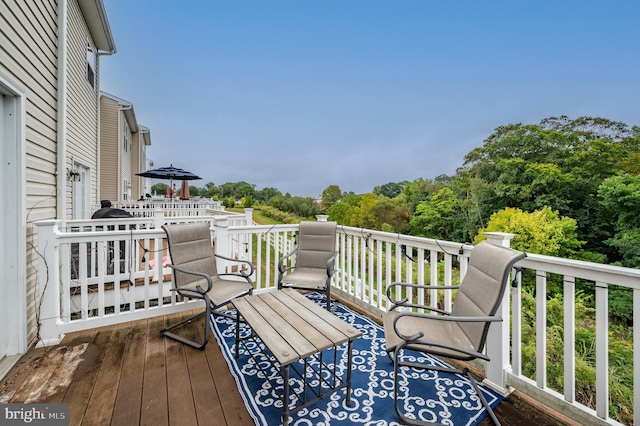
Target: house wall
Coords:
[(109, 148), (137, 155), (28, 59), (82, 103), (139, 163)]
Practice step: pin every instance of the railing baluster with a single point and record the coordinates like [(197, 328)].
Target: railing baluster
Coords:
[(636, 357), (541, 329), (448, 299), (433, 264), (516, 325), (569, 338), (602, 349)]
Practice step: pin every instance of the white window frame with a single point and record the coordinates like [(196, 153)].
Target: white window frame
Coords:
[(91, 65)]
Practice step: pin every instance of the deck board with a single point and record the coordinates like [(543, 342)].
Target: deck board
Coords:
[(124, 374), (82, 386), (180, 395), (129, 394), (154, 408), (100, 406)]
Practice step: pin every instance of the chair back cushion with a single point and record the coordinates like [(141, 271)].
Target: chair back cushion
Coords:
[(482, 287), (191, 248), (316, 244)]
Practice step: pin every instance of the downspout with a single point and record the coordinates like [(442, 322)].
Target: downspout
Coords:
[(61, 142), (120, 139), (142, 159), (98, 170)]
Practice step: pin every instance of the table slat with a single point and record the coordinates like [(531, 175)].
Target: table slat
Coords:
[(278, 346)]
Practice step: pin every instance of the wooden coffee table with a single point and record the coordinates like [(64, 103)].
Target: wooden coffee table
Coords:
[(293, 328)]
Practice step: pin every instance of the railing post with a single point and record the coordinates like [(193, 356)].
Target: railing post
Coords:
[(498, 340), (48, 304), (158, 218), (248, 216), (221, 235)]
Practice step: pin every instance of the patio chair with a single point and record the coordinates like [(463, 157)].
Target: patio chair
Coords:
[(195, 275), (313, 257), (460, 334)]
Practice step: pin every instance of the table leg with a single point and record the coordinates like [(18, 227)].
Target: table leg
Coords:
[(349, 362), (285, 395)]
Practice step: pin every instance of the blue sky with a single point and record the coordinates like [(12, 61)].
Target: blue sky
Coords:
[(300, 95)]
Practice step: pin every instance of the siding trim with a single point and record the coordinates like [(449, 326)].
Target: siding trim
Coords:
[(13, 248)]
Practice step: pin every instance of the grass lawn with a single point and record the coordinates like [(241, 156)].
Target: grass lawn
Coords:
[(257, 216)]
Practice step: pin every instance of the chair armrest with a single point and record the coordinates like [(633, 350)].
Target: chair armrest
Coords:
[(241, 273), (404, 301), (281, 267), (198, 292), (330, 262), (200, 274), (443, 345)]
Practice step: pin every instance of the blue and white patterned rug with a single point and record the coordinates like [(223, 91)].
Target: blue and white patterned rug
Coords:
[(440, 397)]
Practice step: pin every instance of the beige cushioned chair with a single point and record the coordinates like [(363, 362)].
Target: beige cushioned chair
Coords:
[(460, 334), (195, 274), (314, 257)]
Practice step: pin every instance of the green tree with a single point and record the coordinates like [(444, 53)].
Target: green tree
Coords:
[(390, 215), (531, 186), (620, 199), (331, 195), (390, 190), (559, 163), (363, 215), (436, 217), (159, 188), (542, 231), (266, 194), (417, 191), (247, 202), (211, 190)]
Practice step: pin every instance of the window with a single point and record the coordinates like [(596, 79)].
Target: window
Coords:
[(126, 190), (91, 66), (126, 136)]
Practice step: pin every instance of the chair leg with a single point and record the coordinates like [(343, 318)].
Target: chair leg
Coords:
[(207, 332), (465, 371), (486, 405), (404, 419), (168, 333), (331, 304)]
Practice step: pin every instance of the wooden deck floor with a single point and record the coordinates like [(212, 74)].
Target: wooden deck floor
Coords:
[(129, 374)]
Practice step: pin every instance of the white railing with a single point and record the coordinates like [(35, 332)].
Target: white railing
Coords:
[(576, 276), (146, 208), (105, 271), (97, 277)]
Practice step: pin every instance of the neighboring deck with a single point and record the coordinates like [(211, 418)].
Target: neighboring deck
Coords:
[(129, 374)]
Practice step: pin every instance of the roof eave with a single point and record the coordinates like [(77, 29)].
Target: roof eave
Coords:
[(96, 18)]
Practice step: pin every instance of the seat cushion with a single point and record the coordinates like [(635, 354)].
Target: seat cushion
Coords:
[(224, 290), (448, 332), (306, 278)]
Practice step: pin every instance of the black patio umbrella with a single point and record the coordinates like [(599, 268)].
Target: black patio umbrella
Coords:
[(170, 173)]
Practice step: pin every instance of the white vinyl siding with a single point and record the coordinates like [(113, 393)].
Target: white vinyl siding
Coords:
[(82, 104), (28, 58), (109, 146)]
